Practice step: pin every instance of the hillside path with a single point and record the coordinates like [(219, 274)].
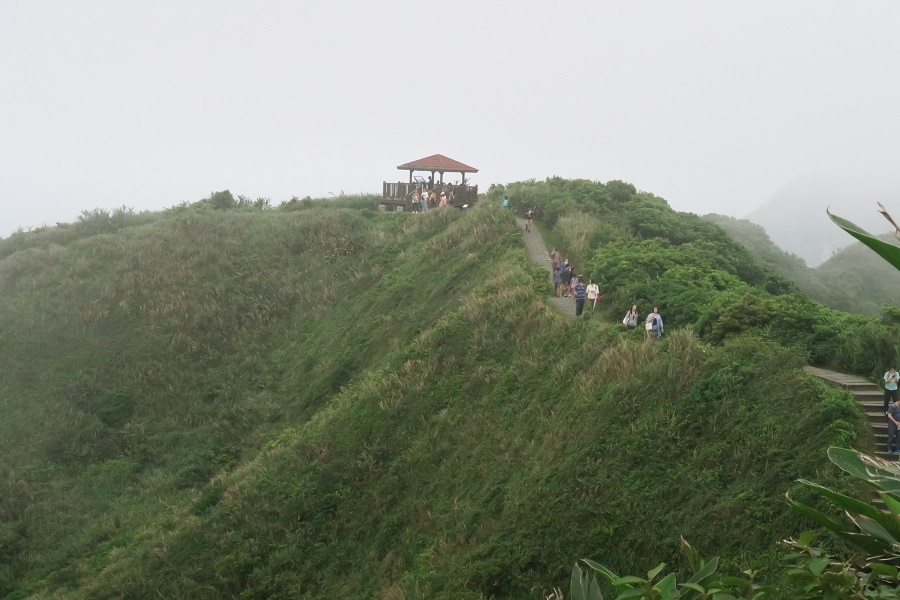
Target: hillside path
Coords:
[(870, 398), (538, 252)]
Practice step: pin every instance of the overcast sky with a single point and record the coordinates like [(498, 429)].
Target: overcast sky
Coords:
[(712, 105)]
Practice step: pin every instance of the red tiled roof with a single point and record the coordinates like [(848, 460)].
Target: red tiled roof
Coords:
[(437, 162)]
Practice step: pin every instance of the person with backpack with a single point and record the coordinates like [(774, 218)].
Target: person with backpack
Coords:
[(655, 322), (565, 277), (529, 215)]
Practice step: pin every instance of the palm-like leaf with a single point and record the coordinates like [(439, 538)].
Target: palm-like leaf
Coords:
[(888, 252)]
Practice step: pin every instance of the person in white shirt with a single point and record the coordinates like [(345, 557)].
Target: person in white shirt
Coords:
[(593, 293)]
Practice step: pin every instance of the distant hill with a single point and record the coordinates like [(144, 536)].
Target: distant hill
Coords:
[(854, 279), (864, 278), (795, 217)]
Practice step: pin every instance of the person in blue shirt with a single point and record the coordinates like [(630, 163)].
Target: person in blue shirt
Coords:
[(505, 201), (890, 386), (656, 323), (580, 295)]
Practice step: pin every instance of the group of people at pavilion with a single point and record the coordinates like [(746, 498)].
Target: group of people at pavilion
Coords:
[(423, 199)]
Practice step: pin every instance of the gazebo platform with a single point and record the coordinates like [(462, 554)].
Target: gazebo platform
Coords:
[(398, 196)]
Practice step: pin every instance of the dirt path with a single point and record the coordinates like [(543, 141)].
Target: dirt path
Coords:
[(538, 252)]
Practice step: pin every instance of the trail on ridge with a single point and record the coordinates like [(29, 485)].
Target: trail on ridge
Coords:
[(538, 252)]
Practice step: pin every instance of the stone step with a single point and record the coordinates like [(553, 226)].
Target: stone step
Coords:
[(879, 403), (877, 416)]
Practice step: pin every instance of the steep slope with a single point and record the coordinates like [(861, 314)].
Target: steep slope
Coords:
[(336, 403)]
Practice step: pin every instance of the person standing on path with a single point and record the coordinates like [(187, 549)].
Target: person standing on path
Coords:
[(529, 215), (555, 257), (656, 323), (593, 293), (580, 295), (557, 281), (890, 386), (893, 416), (565, 277)]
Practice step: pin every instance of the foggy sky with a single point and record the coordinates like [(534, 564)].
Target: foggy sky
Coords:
[(712, 105)]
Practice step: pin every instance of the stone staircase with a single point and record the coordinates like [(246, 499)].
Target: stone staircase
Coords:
[(871, 398)]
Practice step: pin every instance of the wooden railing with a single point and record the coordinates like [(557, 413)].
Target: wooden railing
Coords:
[(401, 193)]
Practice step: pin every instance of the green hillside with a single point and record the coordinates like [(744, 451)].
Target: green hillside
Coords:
[(324, 401), (855, 279)]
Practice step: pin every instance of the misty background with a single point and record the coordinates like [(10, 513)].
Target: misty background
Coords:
[(714, 106)]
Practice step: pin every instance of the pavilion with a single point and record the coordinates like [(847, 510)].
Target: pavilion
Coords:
[(399, 194), (437, 163)]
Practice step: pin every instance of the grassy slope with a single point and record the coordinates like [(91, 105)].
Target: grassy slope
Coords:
[(339, 404)]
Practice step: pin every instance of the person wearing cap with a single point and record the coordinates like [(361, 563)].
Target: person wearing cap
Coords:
[(890, 386)]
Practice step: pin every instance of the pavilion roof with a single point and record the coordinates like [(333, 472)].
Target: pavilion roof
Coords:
[(437, 162)]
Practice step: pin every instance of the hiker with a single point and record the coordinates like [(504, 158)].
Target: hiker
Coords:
[(414, 204), (580, 294), (593, 293), (893, 416), (890, 386), (631, 317), (529, 215), (443, 201), (654, 323), (423, 199), (557, 281), (554, 256), (565, 277), (573, 282)]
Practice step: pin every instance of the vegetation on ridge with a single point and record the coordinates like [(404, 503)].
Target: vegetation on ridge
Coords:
[(327, 402), (853, 280)]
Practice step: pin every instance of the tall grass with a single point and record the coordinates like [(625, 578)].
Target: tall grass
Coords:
[(330, 402)]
